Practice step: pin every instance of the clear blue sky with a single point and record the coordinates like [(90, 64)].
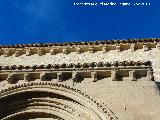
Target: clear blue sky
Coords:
[(29, 21)]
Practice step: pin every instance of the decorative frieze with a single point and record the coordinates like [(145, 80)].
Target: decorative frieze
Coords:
[(93, 65)]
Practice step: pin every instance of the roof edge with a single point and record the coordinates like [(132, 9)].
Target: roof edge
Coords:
[(124, 41)]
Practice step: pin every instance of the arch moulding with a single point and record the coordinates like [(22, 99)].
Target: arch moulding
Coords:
[(50, 100)]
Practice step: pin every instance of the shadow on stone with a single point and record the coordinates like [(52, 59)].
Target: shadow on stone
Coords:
[(158, 84)]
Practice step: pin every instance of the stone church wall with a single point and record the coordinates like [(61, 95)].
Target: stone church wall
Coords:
[(130, 91)]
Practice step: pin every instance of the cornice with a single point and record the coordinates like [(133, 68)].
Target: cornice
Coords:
[(99, 42), (63, 72), (79, 47), (78, 65)]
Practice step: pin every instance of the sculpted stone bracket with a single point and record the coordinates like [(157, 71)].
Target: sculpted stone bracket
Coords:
[(94, 76), (67, 48)]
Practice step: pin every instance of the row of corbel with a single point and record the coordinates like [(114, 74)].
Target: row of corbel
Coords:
[(67, 50), (76, 75)]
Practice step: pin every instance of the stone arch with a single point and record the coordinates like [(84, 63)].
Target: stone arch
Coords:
[(50, 100)]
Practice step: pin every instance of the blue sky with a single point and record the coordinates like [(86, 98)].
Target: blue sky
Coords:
[(30, 21)]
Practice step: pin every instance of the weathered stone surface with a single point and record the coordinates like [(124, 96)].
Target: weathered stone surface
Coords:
[(125, 73)]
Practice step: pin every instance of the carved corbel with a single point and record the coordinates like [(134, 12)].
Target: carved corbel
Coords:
[(150, 75), (94, 76), (91, 50), (17, 54), (104, 50), (65, 51), (52, 51), (132, 76), (43, 76), (145, 48), (40, 52), (118, 48), (114, 75), (60, 76), (27, 78), (28, 52), (132, 48), (75, 77), (7, 53), (11, 78), (78, 50)]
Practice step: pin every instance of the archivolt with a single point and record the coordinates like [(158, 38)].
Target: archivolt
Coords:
[(50, 100)]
